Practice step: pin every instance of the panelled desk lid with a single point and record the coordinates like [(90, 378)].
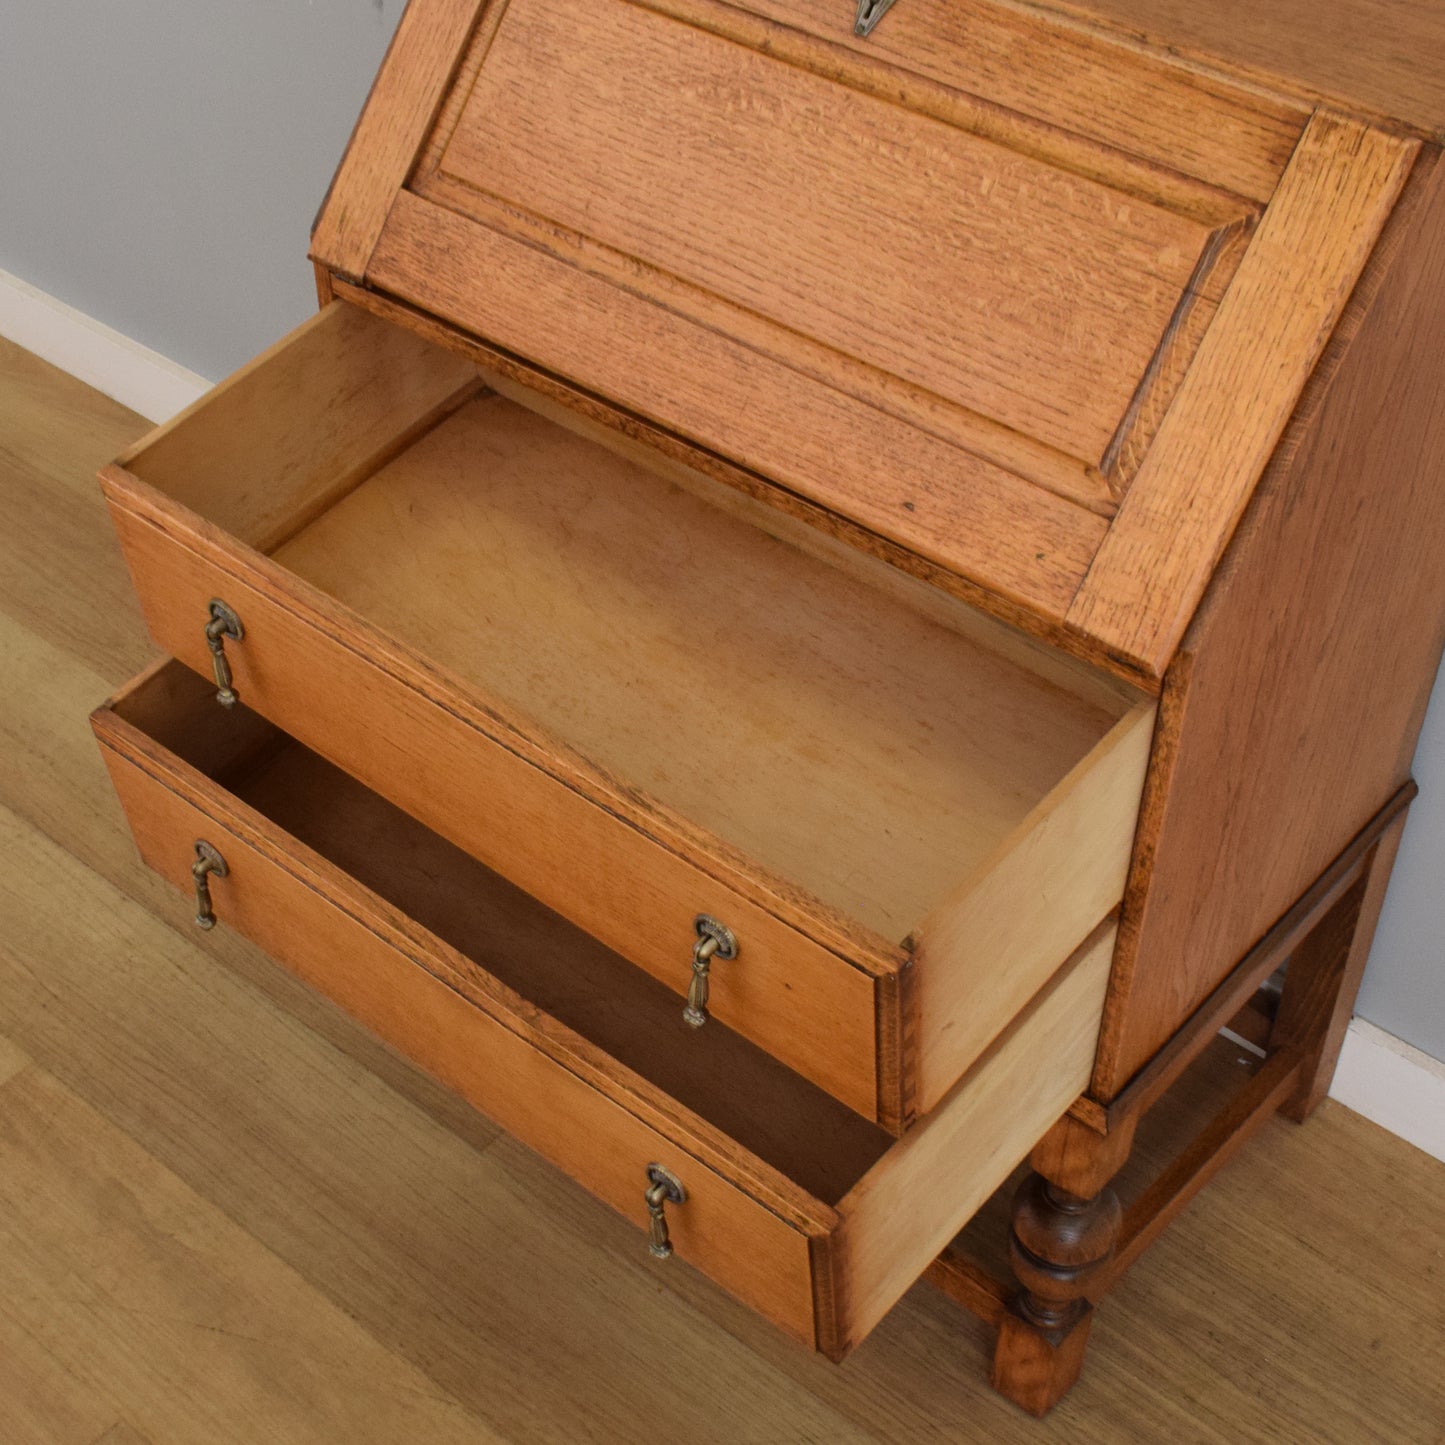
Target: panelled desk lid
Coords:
[(1033, 306)]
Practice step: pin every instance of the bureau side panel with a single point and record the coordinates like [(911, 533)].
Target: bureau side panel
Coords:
[(1292, 710)]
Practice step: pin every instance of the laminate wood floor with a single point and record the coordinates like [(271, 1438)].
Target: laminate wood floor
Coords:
[(226, 1215)]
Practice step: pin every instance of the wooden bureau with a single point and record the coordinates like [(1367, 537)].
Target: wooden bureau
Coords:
[(815, 612)]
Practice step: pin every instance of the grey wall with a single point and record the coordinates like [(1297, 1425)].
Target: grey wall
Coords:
[(160, 165), (161, 161), (1404, 987)]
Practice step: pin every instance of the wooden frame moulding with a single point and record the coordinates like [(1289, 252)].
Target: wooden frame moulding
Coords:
[(1250, 122), (403, 104), (450, 180), (1022, 62), (1314, 51), (1301, 268), (1306, 672), (1342, 172)]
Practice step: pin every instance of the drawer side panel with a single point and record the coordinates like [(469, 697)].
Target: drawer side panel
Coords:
[(986, 951), (928, 1186)]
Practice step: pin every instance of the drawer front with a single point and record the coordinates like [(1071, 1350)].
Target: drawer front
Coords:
[(338, 938), (313, 670)]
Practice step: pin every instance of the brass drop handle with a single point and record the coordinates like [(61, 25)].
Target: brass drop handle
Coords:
[(663, 1188), (714, 940), (870, 12), (208, 861), (223, 624)]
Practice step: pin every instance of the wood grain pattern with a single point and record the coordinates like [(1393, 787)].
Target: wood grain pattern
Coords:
[(1079, 1161), (903, 1212), (843, 552), (1380, 57), (153, 1295), (791, 196), (1159, 1205), (1307, 671), (795, 996), (178, 466), (765, 1108), (955, 509), (1173, 358), (122, 1434), (70, 632), (831, 1296), (174, 773), (182, 1047), (390, 131), (1233, 1000), (11, 1061), (1028, 60), (111, 971), (940, 87), (1173, 526), (800, 354), (991, 945)]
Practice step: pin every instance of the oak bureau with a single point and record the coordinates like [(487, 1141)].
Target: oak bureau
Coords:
[(824, 600)]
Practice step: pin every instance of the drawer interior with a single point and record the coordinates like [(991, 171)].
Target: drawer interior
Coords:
[(775, 1114), (869, 740)]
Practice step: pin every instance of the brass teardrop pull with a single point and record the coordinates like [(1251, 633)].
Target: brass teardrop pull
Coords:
[(208, 861), (870, 12), (223, 625), (663, 1188), (714, 940)]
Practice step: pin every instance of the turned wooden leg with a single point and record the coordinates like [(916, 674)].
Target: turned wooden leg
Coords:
[(1323, 978), (1059, 1240)]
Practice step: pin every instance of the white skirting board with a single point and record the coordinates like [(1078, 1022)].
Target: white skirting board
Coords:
[(1397, 1086), (133, 374), (1379, 1076)]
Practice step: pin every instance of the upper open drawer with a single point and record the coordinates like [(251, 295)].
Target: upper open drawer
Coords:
[(933, 280), (616, 687)]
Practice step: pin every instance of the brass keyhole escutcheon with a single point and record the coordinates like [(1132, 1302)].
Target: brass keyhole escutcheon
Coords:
[(663, 1188), (208, 861), (222, 627), (714, 940)]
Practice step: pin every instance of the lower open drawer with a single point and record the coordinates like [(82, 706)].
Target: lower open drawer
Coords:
[(806, 1212)]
